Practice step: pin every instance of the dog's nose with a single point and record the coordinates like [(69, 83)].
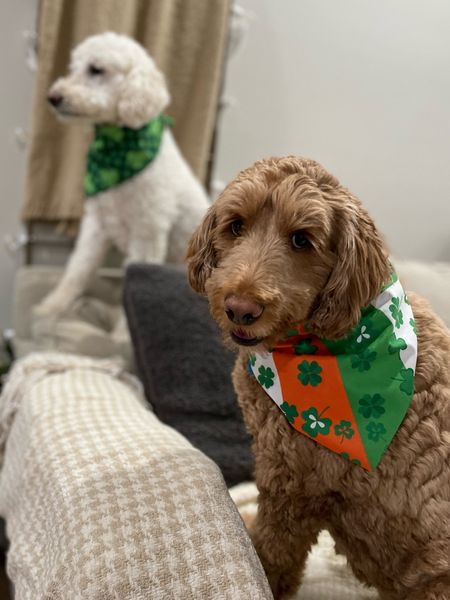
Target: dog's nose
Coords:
[(55, 99), (242, 311)]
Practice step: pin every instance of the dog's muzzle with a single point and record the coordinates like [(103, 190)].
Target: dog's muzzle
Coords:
[(242, 311)]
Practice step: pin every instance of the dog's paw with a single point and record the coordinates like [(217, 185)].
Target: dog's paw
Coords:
[(283, 585), (44, 318), (52, 306)]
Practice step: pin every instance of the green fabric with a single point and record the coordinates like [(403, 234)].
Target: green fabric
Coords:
[(349, 395), (118, 153), (376, 369)]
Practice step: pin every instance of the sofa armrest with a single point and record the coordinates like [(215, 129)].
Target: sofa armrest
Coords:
[(103, 501)]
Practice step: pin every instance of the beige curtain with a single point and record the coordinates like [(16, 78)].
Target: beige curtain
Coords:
[(187, 38)]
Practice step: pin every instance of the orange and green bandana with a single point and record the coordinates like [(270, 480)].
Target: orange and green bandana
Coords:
[(350, 395), (118, 153)]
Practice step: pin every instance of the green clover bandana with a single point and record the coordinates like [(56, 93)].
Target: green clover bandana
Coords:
[(349, 395), (118, 153)]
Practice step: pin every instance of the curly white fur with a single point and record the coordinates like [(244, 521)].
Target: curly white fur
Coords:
[(149, 217)]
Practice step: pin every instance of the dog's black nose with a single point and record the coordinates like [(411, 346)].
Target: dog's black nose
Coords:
[(242, 311), (55, 99)]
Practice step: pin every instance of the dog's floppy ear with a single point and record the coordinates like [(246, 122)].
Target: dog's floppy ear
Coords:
[(143, 96), (201, 256), (361, 269)]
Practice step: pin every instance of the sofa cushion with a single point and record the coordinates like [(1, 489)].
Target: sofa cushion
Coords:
[(430, 280), (184, 368)]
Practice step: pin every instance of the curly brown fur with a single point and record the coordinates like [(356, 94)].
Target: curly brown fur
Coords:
[(393, 524)]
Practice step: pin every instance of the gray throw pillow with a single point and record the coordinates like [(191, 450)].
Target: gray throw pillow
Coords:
[(184, 367)]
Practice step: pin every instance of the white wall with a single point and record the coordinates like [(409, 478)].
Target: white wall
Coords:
[(362, 86), (15, 106)]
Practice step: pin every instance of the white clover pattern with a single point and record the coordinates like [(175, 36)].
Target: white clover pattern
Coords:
[(363, 334), (316, 422)]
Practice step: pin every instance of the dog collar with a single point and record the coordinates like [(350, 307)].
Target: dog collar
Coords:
[(349, 395), (118, 153)]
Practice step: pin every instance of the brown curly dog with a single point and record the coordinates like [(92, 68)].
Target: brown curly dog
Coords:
[(286, 243)]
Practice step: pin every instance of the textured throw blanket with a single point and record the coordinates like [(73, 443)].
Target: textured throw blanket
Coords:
[(104, 502)]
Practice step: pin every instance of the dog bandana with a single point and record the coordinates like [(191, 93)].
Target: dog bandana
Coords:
[(349, 395), (117, 153)]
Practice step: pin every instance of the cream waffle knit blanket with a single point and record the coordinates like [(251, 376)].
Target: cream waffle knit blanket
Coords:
[(104, 502)]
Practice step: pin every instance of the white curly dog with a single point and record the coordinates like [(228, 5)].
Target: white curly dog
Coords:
[(150, 216)]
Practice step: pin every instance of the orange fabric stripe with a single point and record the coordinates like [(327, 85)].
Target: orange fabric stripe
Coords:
[(329, 397)]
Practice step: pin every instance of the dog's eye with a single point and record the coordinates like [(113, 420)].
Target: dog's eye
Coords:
[(236, 227), (94, 71), (299, 240)]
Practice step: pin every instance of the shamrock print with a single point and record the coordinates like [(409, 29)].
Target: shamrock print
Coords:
[(396, 344), (372, 406), (266, 376), (344, 430), (407, 379), (314, 423), (363, 334), (290, 411), (251, 363), (413, 325), (392, 279), (353, 460), (397, 314), (290, 333), (362, 360), (375, 431), (89, 185), (115, 134), (309, 373), (98, 145), (154, 127), (109, 177), (305, 347), (136, 159)]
